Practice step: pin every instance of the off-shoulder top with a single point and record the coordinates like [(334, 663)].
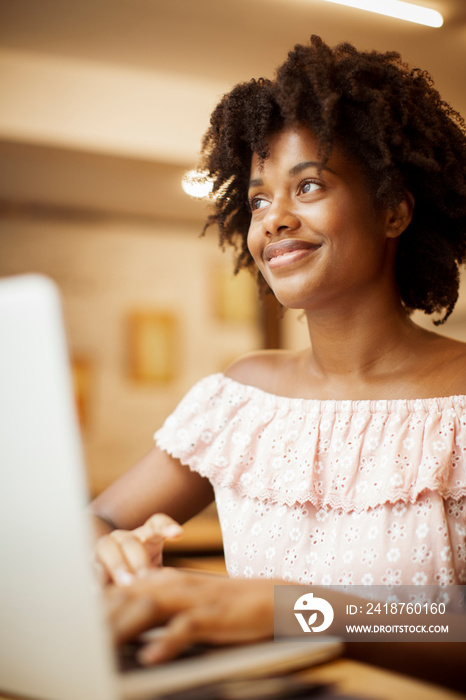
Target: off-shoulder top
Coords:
[(329, 492)]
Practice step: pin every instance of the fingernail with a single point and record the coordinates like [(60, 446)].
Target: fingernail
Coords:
[(173, 530), (123, 577)]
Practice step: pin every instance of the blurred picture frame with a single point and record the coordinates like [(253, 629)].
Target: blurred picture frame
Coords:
[(235, 297), (152, 346)]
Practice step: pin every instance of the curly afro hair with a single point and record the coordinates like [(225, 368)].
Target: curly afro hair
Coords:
[(385, 115)]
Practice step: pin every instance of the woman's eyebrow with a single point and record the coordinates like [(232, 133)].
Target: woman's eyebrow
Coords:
[(295, 170), (257, 182)]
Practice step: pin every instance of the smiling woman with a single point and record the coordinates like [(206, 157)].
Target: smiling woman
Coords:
[(393, 125), (313, 224), (342, 183)]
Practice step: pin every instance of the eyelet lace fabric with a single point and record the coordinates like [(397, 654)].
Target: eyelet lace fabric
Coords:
[(329, 492)]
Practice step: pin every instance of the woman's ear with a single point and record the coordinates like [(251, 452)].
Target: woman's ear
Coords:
[(400, 216)]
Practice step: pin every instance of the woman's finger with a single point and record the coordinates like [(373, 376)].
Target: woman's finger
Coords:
[(158, 526), (100, 572), (134, 552), (131, 617), (114, 598), (183, 630), (122, 555), (194, 607), (110, 555), (125, 553)]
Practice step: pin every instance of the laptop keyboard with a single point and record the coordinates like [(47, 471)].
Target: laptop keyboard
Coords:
[(127, 655)]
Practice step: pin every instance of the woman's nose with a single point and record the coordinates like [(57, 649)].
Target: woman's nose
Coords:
[(280, 216)]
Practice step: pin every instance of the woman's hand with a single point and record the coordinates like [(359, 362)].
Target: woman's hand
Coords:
[(193, 607), (123, 554)]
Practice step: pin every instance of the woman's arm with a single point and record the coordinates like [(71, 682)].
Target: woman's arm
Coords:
[(129, 536), (157, 483)]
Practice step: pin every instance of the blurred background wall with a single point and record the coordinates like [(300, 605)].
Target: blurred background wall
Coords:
[(103, 107)]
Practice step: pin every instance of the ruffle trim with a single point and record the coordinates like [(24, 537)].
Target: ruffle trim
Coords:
[(348, 455)]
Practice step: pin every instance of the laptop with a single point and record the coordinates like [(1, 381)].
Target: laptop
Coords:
[(54, 640)]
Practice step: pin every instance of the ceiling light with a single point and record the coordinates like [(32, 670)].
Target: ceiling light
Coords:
[(398, 9), (197, 184)]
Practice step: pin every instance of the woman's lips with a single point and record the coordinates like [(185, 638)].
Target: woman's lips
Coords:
[(287, 251)]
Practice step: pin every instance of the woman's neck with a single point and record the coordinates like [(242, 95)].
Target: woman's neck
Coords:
[(377, 350), (359, 344)]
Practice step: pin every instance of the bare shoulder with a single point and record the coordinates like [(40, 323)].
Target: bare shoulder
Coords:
[(449, 359), (458, 366), (265, 369)]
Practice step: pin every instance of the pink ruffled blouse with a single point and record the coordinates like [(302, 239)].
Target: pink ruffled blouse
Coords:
[(329, 492)]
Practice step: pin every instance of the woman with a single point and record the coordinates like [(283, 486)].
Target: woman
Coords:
[(343, 183)]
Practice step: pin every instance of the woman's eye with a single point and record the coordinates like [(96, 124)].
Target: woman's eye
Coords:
[(257, 203), (309, 186)]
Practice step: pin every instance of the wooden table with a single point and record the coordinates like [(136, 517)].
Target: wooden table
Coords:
[(362, 682)]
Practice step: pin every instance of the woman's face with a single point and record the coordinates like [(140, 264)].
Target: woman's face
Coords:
[(315, 233)]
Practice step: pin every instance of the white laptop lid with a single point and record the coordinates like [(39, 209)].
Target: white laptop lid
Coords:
[(51, 636), (53, 641)]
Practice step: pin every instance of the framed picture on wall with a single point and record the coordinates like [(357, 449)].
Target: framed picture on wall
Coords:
[(235, 297), (152, 350)]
